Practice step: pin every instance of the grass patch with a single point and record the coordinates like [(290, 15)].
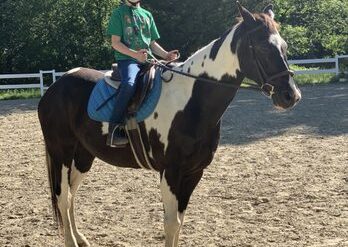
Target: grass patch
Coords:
[(19, 94), (313, 78)]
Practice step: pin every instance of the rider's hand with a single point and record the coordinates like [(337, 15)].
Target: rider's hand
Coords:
[(141, 55), (172, 55)]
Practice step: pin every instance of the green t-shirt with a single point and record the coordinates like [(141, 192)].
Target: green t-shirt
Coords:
[(135, 26)]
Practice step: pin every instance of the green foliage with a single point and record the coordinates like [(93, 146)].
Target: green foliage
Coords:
[(296, 37), (313, 78), (321, 23), (19, 94), (62, 34), (54, 34)]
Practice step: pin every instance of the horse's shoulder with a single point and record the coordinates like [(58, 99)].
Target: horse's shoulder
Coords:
[(86, 74)]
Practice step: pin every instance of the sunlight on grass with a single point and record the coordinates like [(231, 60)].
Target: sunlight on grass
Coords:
[(19, 94)]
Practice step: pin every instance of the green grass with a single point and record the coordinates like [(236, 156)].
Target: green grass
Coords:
[(313, 78), (19, 94)]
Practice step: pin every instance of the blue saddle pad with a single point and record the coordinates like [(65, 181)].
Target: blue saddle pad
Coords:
[(100, 110)]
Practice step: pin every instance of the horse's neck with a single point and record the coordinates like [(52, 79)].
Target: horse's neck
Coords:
[(218, 62), (215, 60), (194, 106)]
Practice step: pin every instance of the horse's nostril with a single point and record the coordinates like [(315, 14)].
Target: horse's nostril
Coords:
[(297, 99), (287, 96)]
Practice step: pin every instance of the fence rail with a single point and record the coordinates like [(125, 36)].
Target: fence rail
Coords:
[(55, 74)]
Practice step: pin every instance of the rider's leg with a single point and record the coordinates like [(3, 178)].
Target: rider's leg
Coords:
[(128, 71)]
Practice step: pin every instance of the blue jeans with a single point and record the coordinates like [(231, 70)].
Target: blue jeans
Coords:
[(128, 70)]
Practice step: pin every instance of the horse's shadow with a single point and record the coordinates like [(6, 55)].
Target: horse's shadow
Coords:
[(323, 111)]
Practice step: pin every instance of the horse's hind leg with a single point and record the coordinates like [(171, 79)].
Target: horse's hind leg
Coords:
[(67, 166), (64, 203), (80, 166)]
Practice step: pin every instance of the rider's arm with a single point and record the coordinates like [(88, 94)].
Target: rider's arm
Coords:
[(120, 47), (158, 50)]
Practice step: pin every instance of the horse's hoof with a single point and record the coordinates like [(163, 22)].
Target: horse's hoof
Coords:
[(84, 245)]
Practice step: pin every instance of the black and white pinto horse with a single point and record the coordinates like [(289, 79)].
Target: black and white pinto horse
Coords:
[(182, 134)]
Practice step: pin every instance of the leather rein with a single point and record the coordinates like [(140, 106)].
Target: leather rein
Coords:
[(262, 84)]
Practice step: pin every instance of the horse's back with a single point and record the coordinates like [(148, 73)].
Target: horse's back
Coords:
[(77, 82), (66, 98)]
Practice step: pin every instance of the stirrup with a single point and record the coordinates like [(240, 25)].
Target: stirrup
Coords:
[(115, 138)]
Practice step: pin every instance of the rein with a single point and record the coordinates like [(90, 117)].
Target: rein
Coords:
[(262, 84), (158, 63)]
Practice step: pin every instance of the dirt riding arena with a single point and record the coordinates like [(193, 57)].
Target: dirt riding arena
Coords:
[(278, 179)]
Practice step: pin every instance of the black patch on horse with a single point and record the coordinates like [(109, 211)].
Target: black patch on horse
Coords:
[(217, 44)]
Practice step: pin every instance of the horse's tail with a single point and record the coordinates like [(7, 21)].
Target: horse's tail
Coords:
[(52, 179)]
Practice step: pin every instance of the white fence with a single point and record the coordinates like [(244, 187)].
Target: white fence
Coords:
[(55, 74)]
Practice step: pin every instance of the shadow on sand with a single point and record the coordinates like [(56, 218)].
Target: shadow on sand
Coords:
[(8, 107), (250, 117)]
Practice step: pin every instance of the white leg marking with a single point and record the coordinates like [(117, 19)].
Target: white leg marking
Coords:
[(181, 218), (64, 202), (75, 179), (171, 219)]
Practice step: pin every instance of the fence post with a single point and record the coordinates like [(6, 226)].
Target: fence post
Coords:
[(54, 75), (41, 83), (337, 67)]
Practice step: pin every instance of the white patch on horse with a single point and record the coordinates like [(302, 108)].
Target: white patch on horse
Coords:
[(75, 180), (171, 217), (225, 62), (295, 88), (105, 128), (278, 41), (173, 99), (176, 94), (64, 203), (73, 70)]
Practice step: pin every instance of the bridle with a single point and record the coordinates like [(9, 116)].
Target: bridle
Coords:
[(262, 84), (264, 80)]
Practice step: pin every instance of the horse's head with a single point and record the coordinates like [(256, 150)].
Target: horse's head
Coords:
[(262, 56)]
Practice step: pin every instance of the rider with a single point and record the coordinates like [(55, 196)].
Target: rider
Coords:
[(133, 34)]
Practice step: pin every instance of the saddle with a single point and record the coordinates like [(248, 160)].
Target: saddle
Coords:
[(144, 82), (102, 101)]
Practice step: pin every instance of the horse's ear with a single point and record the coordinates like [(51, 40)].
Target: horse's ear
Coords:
[(269, 10), (246, 15)]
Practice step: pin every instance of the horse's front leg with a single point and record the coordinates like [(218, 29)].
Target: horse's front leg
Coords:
[(176, 192)]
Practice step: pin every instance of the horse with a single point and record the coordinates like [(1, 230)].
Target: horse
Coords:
[(181, 135)]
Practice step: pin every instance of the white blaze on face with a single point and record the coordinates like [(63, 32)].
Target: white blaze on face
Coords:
[(278, 41)]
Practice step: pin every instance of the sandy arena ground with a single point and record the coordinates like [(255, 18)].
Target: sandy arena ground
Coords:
[(278, 179)]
